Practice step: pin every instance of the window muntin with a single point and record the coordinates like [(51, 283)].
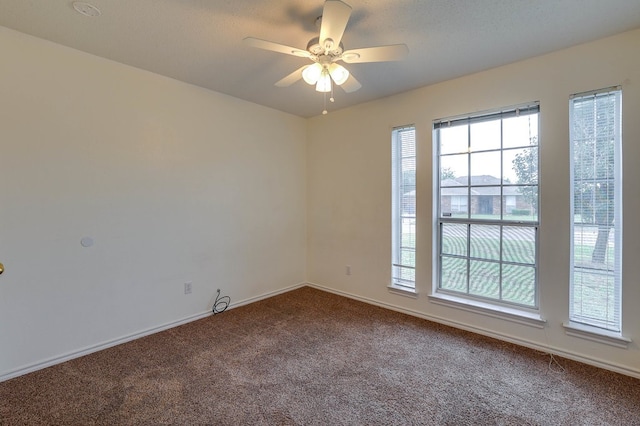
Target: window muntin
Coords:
[(488, 249), (596, 209), (403, 207)]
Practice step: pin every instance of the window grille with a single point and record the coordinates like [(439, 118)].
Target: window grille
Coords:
[(487, 206)]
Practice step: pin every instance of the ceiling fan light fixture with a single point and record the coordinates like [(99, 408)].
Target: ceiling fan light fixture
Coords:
[(338, 73), (324, 82), (312, 73), (327, 49)]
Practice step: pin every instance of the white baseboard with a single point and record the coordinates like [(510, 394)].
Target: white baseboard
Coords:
[(133, 336), (267, 295), (98, 347), (124, 339), (489, 333)]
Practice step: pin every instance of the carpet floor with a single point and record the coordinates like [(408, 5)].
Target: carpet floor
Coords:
[(309, 357)]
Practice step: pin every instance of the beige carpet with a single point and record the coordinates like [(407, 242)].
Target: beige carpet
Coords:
[(309, 357)]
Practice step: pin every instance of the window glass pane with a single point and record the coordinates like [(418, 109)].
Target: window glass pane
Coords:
[(519, 244), (452, 204), (460, 204), (520, 166), (408, 256), (484, 279), (518, 284), (408, 234), (408, 143), (485, 241), (408, 208), (454, 239), (593, 247), (486, 164), (526, 203), (454, 170), (485, 202), (409, 166), (453, 274), (509, 202), (454, 139), (520, 131), (404, 276), (594, 298), (485, 135)]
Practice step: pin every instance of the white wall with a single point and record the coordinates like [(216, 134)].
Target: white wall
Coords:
[(349, 190), (174, 183)]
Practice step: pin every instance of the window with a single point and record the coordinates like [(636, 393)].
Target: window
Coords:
[(459, 203), (403, 207), (596, 144), (510, 203), (487, 204)]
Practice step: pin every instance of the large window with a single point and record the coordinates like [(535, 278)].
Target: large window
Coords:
[(403, 207), (487, 198), (596, 144)]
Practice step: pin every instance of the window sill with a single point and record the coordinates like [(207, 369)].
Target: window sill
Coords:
[(403, 291), (595, 334), (501, 312)]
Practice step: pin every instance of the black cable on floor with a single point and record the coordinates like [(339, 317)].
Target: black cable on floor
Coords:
[(221, 303)]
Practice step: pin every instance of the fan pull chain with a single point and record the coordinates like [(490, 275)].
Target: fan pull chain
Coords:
[(324, 111), (331, 99)]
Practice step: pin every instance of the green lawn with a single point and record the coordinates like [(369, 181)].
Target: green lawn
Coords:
[(593, 294), (593, 291)]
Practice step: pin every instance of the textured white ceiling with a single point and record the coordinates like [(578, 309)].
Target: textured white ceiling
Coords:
[(200, 41)]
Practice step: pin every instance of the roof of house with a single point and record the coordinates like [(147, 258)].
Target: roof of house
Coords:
[(480, 185)]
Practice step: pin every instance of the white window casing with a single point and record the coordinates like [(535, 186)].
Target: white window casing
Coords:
[(596, 210), (403, 208), (486, 224)]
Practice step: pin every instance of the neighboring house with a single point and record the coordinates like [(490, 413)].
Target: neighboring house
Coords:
[(485, 197)]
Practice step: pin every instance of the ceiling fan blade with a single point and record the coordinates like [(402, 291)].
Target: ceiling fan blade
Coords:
[(335, 16), (275, 47), (394, 52), (291, 78), (351, 85)]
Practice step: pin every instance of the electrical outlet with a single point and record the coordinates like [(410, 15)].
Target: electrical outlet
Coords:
[(187, 287), (347, 270)]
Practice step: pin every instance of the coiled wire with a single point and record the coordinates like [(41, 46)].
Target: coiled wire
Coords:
[(221, 303)]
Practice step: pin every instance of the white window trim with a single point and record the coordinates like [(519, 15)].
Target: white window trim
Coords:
[(493, 308), (576, 327), (403, 291), (531, 319), (596, 334), (397, 202)]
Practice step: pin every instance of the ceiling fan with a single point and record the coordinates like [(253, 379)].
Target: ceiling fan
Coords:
[(326, 50)]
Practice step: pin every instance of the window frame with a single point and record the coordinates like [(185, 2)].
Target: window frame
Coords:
[(439, 294), (398, 215), (581, 322)]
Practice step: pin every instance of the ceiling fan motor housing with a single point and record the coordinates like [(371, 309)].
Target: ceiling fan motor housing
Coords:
[(315, 48)]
